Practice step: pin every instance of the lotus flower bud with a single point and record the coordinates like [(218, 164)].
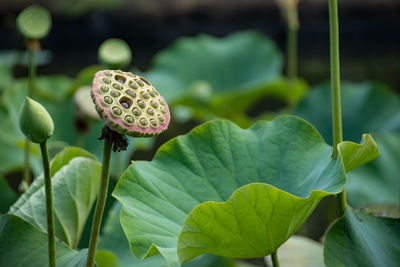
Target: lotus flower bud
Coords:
[(115, 53), (34, 22), (35, 122)]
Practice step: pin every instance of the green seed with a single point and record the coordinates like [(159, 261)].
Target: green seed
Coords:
[(129, 119), (104, 89), (141, 104), (151, 93), (116, 110), (143, 122), (136, 112), (133, 85), (160, 117), (150, 111), (115, 93), (162, 102), (154, 104), (153, 122), (131, 93), (144, 95), (107, 100), (107, 73), (106, 80), (163, 110), (140, 83), (117, 86)]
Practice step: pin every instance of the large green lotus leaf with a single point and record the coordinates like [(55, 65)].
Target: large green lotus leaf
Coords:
[(12, 141), (54, 88), (355, 155), (75, 186), (359, 239), (367, 108), (204, 65), (113, 239), (5, 76), (105, 258), (238, 106), (253, 187), (379, 180), (300, 251), (22, 244), (85, 76)]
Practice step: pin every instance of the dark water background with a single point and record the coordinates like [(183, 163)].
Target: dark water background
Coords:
[(369, 34)]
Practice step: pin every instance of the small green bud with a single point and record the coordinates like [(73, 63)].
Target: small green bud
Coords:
[(34, 22), (115, 53), (35, 122)]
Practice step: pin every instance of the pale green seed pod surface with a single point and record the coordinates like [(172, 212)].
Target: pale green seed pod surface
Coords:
[(115, 53), (129, 104), (35, 122), (34, 22)]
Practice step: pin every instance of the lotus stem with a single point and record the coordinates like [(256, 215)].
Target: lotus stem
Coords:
[(32, 76), (291, 46), (49, 205), (335, 91), (275, 260), (101, 201)]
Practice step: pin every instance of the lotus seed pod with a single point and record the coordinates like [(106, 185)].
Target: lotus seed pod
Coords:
[(84, 104), (34, 22), (115, 53), (129, 104), (35, 122)]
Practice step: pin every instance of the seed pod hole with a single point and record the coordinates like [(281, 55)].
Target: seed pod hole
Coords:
[(140, 83), (104, 89), (150, 111), (129, 119), (115, 93), (116, 110), (125, 102), (154, 104), (106, 80), (143, 122), (160, 117), (141, 104), (117, 86), (133, 85), (136, 112), (146, 81), (153, 122), (131, 93), (108, 100), (144, 95), (120, 78)]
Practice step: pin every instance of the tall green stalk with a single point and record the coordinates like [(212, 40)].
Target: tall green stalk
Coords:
[(335, 91), (49, 205), (101, 201), (275, 260), (291, 46), (32, 77)]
